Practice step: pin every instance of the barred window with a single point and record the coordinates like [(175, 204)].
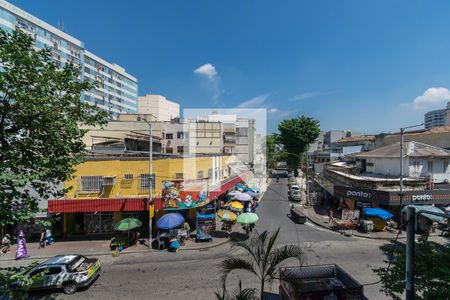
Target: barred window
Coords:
[(144, 180), (200, 175), (179, 175), (90, 183)]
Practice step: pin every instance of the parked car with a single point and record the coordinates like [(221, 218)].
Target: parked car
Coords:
[(294, 195), (292, 181), (66, 272), (294, 188)]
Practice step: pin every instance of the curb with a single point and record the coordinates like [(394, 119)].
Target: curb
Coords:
[(90, 254)]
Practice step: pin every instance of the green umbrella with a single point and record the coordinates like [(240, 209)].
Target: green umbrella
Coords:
[(127, 224), (247, 218)]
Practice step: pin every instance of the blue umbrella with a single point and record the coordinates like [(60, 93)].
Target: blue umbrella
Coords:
[(170, 221)]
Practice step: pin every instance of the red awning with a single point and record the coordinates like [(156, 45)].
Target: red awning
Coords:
[(93, 205)]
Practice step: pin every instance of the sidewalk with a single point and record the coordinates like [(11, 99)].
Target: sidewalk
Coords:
[(319, 217), (101, 247)]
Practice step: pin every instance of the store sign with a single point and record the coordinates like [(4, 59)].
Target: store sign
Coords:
[(422, 197), (359, 194)]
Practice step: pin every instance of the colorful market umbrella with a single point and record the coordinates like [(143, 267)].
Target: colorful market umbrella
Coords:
[(242, 197), (127, 224), (170, 221), (252, 194), (235, 204), (226, 215), (247, 218), (232, 193)]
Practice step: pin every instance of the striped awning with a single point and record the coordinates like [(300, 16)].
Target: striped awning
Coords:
[(103, 205)]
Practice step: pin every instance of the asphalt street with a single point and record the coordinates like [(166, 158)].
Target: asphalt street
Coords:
[(195, 274)]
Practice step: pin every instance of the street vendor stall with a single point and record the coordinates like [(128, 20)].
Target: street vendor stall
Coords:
[(378, 216), (206, 226)]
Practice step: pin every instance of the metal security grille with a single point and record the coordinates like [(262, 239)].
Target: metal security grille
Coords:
[(179, 175), (144, 180), (90, 183)]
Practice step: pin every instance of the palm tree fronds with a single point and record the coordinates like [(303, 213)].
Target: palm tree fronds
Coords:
[(235, 263)]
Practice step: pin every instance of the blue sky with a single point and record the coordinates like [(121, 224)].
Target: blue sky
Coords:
[(368, 66)]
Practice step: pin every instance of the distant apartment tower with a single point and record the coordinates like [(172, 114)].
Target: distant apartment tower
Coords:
[(116, 91), (438, 117), (159, 106)]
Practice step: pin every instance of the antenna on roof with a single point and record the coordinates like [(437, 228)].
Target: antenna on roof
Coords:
[(61, 25)]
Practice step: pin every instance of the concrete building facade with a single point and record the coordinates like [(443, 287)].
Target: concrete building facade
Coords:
[(163, 109), (116, 91)]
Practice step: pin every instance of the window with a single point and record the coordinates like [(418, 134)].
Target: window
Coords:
[(169, 136), (430, 166), (54, 270), (37, 272), (90, 183), (169, 150), (200, 175), (180, 135), (180, 149), (144, 180), (179, 175), (127, 176), (242, 131), (209, 173)]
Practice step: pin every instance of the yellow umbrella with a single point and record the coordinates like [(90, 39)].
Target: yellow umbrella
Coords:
[(235, 204), (226, 215)]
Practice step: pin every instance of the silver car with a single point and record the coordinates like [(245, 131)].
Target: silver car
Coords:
[(68, 272)]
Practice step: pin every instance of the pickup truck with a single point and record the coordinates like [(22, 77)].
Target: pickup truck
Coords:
[(66, 272)]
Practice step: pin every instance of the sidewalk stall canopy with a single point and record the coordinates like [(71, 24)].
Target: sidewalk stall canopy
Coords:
[(424, 221), (378, 216)]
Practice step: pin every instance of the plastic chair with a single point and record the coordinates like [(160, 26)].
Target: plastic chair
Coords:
[(161, 243)]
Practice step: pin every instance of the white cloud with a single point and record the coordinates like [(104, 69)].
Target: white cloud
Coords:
[(432, 98), (207, 70), (257, 102), (273, 110), (304, 96)]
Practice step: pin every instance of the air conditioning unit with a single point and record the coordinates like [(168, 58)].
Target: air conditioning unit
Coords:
[(108, 180)]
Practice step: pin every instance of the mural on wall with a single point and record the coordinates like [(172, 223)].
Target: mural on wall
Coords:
[(175, 196)]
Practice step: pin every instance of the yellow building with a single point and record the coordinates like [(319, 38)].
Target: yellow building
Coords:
[(104, 190)]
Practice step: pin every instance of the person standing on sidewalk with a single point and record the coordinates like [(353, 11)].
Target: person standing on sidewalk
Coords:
[(331, 216), (6, 243), (42, 240), (48, 237)]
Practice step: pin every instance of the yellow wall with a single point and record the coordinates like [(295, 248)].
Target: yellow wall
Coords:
[(164, 169)]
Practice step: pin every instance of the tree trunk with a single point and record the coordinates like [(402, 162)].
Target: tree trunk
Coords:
[(262, 289)]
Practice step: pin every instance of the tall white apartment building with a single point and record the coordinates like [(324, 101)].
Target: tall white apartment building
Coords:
[(159, 106), (117, 91), (438, 117)]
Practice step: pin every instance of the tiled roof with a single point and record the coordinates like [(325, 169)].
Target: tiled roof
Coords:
[(411, 149), (357, 138)]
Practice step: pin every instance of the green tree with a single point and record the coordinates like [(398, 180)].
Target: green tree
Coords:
[(263, 258), (40, 114), (238, 294), (431, 276), (295, 135), (272, 153)]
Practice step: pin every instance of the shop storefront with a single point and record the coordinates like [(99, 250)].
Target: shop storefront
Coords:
[(355, 198)]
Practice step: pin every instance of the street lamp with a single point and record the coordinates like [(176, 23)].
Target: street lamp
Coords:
[(402, 131), (150, 179)]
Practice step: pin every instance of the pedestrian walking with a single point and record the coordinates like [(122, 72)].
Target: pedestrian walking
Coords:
[(48, 237), (6, 243), (42, 240), (331, 216)]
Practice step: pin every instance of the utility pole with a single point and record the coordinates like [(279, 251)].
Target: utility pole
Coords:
[(150, 188), (150, 179), (410, 244), (306, 176), (402, 132)]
